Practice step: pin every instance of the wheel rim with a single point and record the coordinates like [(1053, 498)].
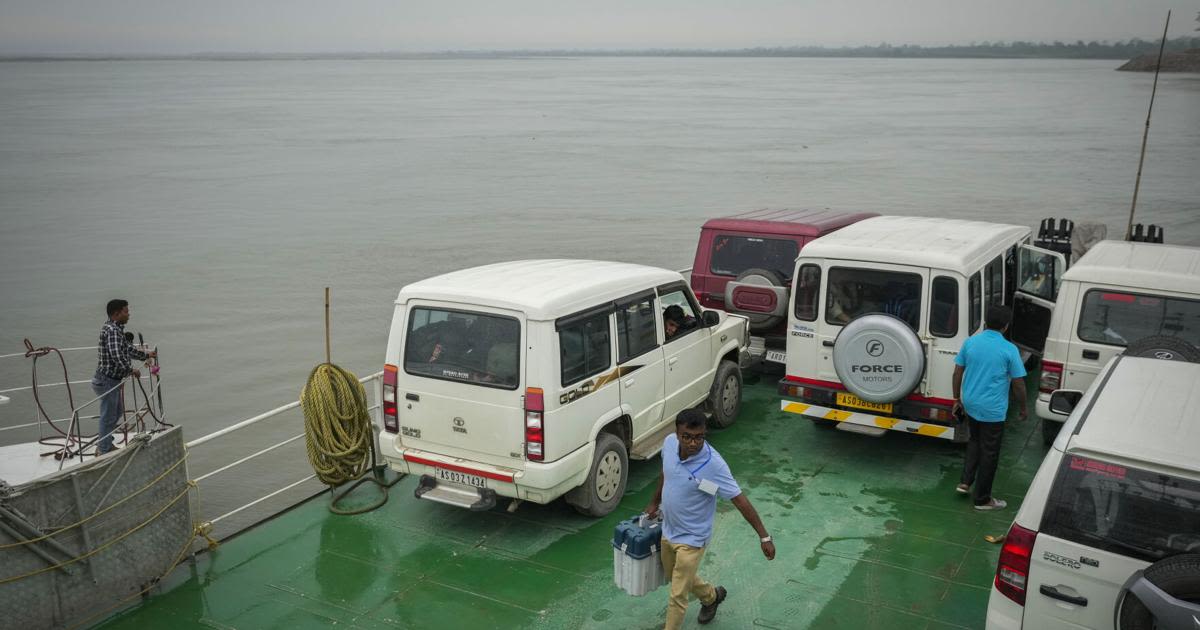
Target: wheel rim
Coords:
[(608, 476), (729, 396)]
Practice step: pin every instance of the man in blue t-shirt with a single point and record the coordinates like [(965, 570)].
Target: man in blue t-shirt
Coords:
[(988, 369), (694, 475)]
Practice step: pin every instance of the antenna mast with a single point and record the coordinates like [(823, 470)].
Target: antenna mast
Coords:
[(1146, 134)]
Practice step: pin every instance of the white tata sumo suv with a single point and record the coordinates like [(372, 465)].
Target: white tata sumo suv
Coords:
[(882, 306), (1140, 299), (541, 378), (1108, 535)]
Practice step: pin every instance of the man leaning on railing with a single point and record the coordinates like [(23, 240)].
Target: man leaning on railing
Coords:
[(113, 366)]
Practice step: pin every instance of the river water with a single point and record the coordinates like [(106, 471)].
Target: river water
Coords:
[(221, 197)]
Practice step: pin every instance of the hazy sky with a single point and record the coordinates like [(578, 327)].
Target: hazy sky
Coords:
[(183, 26)]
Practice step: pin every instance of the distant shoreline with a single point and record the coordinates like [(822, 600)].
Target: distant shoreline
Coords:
[(998, 50)]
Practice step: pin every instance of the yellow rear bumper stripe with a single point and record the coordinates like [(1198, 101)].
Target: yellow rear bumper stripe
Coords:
[(870, 420)]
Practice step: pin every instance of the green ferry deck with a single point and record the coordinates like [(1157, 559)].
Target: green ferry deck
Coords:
[(869, 533)]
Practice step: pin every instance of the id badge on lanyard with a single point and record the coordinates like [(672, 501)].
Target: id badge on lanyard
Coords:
[(707, 486)]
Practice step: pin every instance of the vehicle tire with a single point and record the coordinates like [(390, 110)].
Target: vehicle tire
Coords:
[(605, 483), (878, 358), (725, 397), (1178, 576), (1050, 431), (1164, 347), (760, 322)]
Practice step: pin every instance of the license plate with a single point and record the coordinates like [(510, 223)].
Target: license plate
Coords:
[(453, 476), (850, 400), (777, 356)]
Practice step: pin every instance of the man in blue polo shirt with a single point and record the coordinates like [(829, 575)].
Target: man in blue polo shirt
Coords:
[(988, 369), (694, 475)]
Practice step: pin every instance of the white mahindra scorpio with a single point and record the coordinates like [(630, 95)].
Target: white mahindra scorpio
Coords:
[(542, 378)]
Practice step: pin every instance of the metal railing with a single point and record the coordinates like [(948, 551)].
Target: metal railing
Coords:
[(73, 441), (372, 382), (74, 437)]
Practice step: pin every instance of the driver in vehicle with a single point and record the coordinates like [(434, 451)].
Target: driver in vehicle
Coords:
[(676, 321)]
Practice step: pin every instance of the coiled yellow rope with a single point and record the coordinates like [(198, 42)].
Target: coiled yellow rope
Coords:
[(337, 427)]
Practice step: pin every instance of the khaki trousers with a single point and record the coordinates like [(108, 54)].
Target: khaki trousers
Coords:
[(680, 564)]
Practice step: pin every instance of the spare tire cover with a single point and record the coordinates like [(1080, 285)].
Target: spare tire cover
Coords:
[(760, 322), (878, 358), (1165, 348)]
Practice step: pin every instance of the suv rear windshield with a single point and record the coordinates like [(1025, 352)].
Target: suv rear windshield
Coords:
[(1118, 318), (1123, 510), (731, 255), (854, 292), (463, 346)]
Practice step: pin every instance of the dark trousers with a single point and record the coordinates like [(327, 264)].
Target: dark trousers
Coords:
[(983, 454)]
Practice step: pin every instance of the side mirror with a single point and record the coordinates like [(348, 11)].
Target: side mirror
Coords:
[(1063, 401), (710, 318)]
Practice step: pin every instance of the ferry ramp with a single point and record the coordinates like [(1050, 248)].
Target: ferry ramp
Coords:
[(869, 533)]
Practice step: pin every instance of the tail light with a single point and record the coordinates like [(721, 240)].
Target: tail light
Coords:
[(535, 433), (1012, 572), (937, 414), (391, 422), (1051, 377), (796, 391)]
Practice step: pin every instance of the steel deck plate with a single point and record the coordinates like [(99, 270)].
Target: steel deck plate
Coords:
[(870, 534)]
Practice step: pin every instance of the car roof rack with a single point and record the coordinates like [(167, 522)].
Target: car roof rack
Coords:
[(1055, 235), (1146, 233)]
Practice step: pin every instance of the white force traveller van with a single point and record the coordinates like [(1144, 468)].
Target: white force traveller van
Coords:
[(541, 378), (881, 307), (1141, 299)]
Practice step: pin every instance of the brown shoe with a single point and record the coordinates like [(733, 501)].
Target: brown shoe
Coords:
[(709, 611)]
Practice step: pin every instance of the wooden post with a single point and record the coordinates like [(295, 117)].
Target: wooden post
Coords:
[(327, 359)]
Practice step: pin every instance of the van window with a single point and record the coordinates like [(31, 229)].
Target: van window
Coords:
[(465, 346), (1122, 509), (808, 292), (731, 255), (584, 348), (993, 281), (1037, 274), (975, 297), (943, 307), (854, 292), (636, 334), (1118, 318)]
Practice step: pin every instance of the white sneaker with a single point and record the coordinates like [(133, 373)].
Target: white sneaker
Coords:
[(994, 504)]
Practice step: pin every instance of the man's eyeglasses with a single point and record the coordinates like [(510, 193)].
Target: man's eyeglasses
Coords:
[(695, 438)]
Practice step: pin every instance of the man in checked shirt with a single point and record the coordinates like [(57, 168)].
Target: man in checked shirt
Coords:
[(114, 353)]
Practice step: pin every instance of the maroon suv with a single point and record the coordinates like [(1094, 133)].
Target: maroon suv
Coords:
[(744, 265)]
